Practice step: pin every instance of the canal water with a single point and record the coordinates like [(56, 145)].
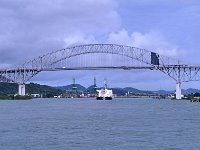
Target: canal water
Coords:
[(88, 124)]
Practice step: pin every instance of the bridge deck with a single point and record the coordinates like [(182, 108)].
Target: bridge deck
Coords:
[(101, 68)]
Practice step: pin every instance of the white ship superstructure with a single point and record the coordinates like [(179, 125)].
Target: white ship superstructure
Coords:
[(104, 93)]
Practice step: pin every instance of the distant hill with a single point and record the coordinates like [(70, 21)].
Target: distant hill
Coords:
[(8, 88), (91, 89), (45, 90), (32, 88), (184, 92), (119, 91), (69, 87), (123, 91), (163, 92), (131, 90), (136, 91), (190, 91)]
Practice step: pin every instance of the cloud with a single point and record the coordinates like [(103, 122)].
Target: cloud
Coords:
[(153, 41), (31, 28), (79, 39)]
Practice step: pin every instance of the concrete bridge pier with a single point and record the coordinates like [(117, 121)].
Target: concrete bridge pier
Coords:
[(22, 90), (178, 90)]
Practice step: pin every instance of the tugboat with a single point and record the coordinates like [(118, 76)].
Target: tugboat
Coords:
[(104, 93)]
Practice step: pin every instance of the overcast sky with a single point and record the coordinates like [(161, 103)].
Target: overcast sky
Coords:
[(29, 28)]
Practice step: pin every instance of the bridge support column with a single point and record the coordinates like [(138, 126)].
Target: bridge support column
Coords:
[(178, 90), (22, 90)]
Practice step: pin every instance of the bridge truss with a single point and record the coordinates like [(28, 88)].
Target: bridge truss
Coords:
[(100, 57)]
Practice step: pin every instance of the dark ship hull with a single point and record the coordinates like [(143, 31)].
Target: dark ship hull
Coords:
[(104, 98), (99, 98), (108, 98)]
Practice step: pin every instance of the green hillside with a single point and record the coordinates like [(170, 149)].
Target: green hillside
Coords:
[(91, 89), (46, 91), (32, 88), (8, 88), (136, 91)]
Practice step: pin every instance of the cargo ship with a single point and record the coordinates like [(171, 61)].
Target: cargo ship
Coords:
[(104, 93)]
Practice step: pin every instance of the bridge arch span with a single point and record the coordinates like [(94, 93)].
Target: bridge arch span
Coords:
[(48, 60)]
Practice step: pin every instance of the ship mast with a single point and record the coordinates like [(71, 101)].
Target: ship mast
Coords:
[(105, 83), (74, 85), (95, 84)]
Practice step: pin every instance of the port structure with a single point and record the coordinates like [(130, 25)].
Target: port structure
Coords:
[(95, 84), (74, 87), (101, 57)]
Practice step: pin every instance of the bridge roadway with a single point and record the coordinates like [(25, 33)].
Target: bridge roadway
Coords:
[(77, 68), (182, 67)]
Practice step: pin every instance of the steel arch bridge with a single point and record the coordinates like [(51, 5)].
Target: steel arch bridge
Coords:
[(101, 56)]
